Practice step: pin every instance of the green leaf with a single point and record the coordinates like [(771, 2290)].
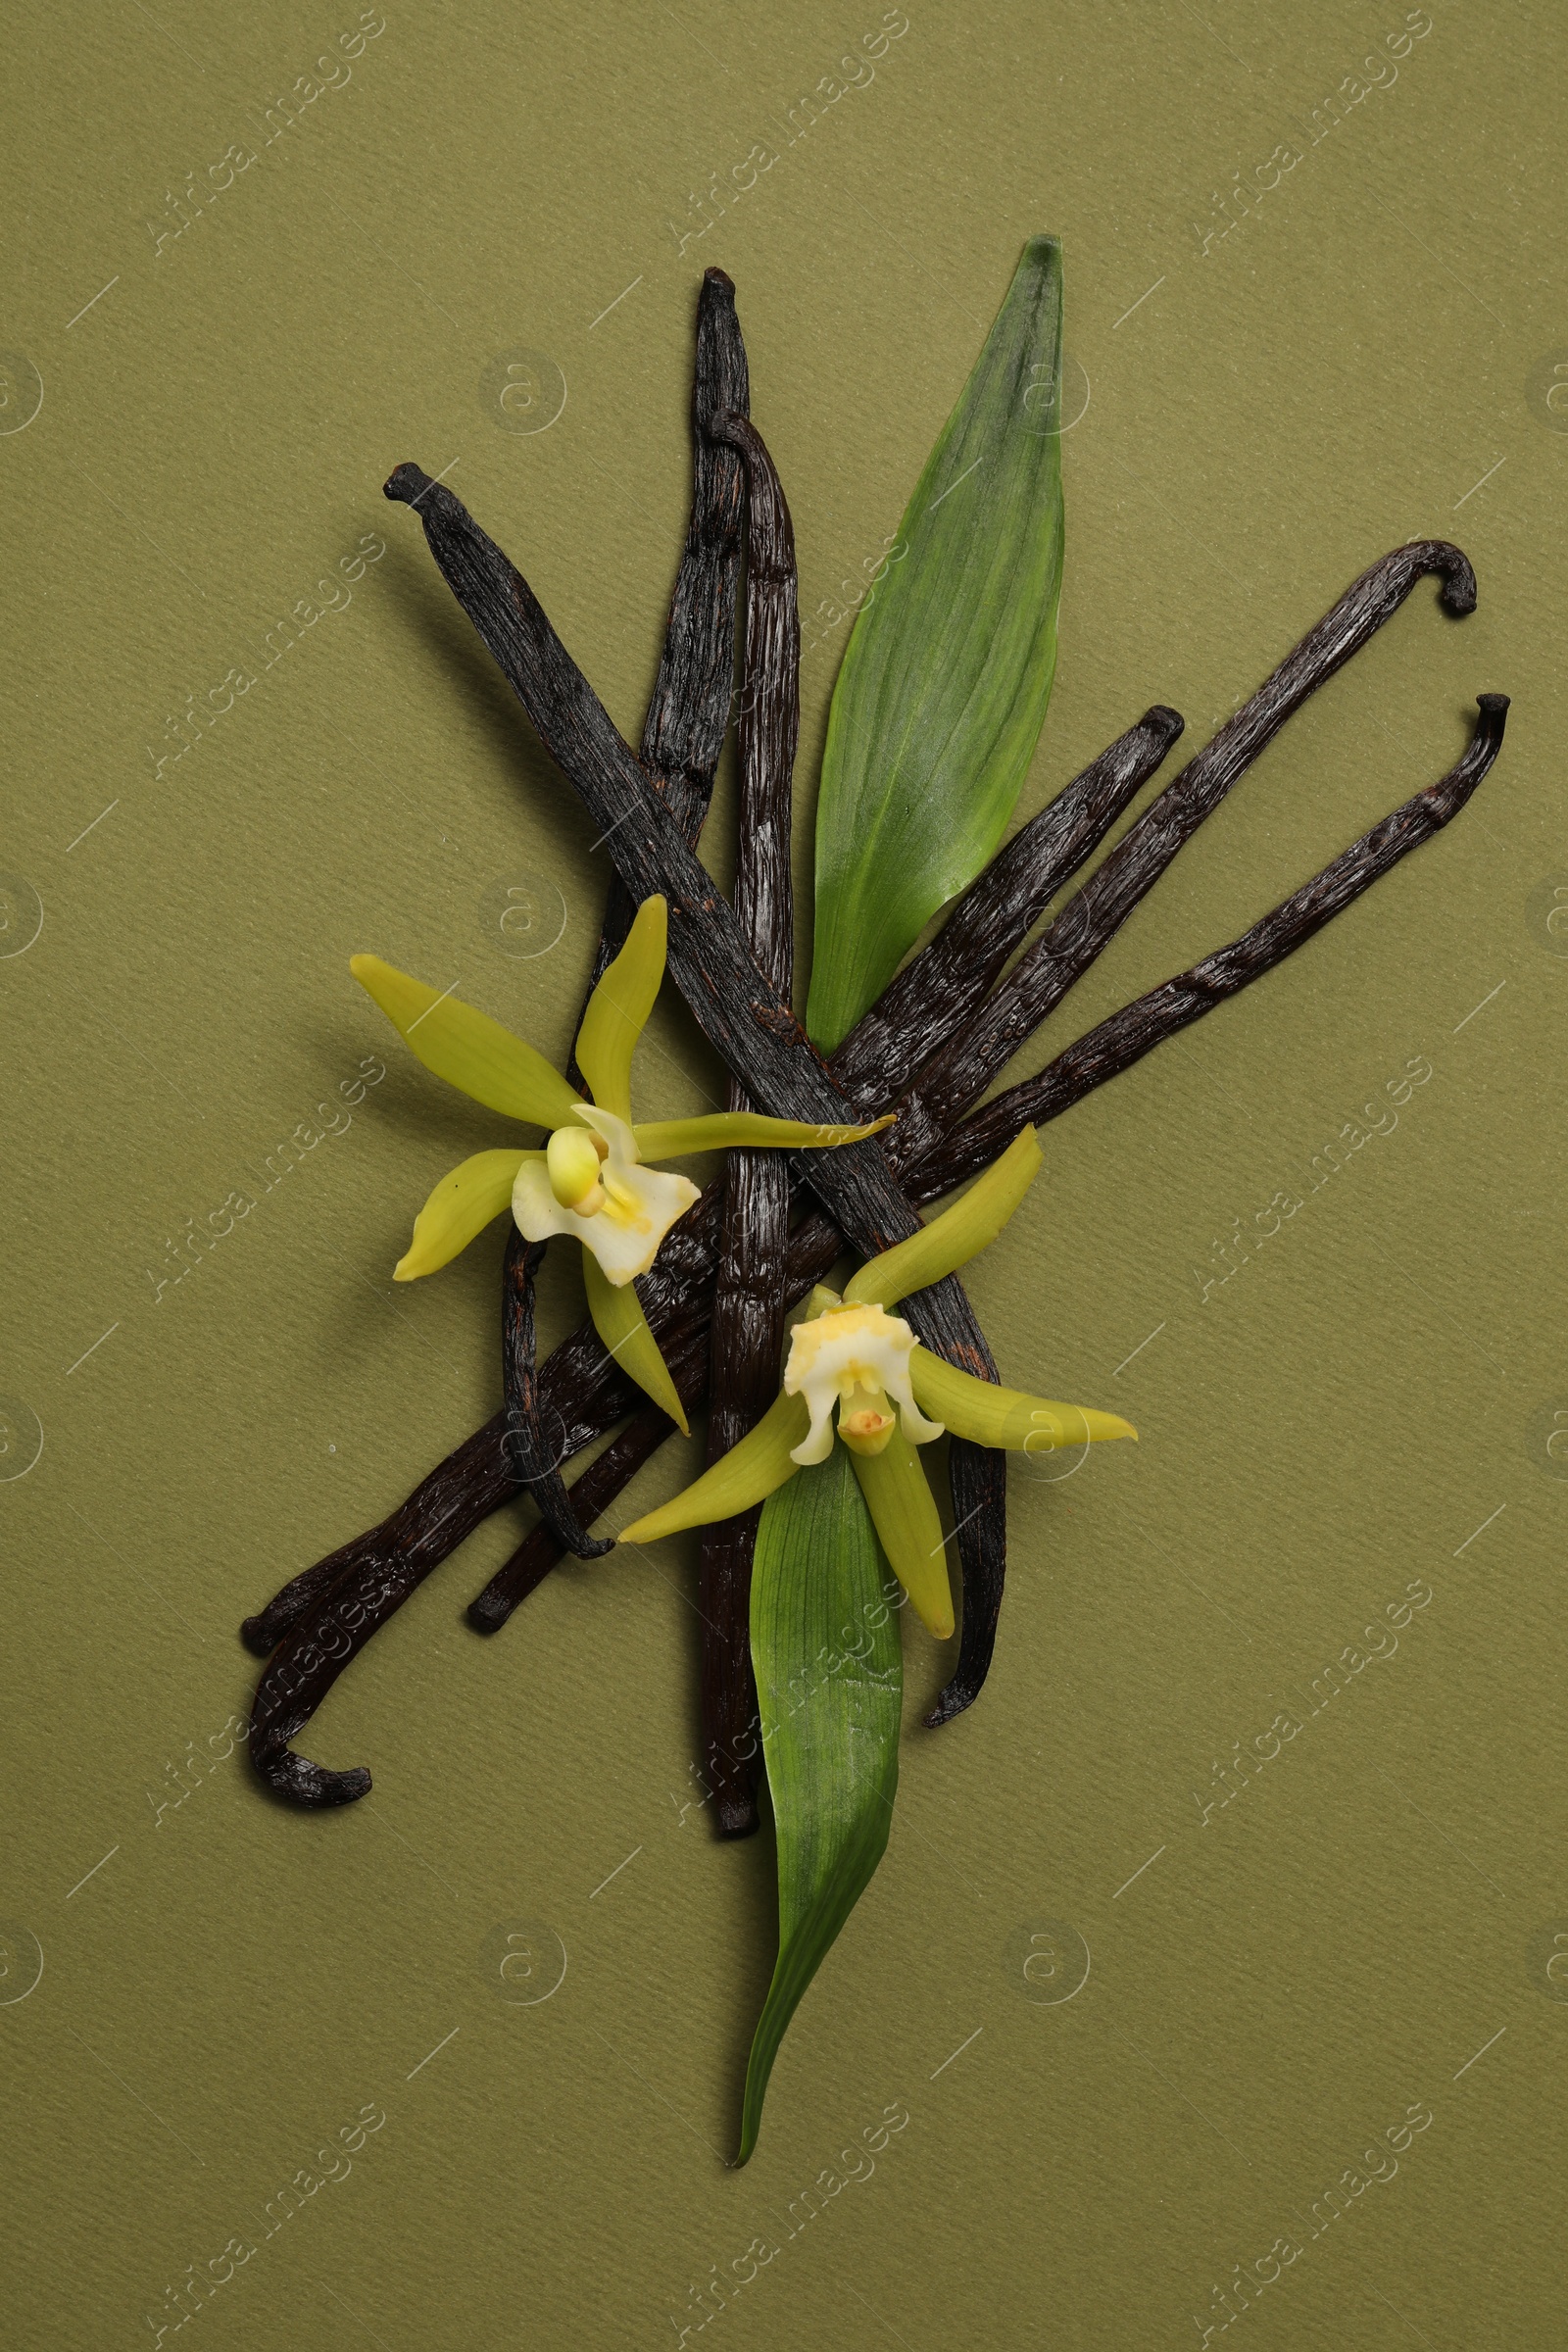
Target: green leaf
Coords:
[(943, 692), (821, 1592)]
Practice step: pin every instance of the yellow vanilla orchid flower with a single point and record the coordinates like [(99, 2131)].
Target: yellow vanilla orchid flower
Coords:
[(891, 1395), (591, 1180)]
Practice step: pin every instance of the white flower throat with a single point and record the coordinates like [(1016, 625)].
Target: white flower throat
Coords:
[(590, 1183), (856, 1357)]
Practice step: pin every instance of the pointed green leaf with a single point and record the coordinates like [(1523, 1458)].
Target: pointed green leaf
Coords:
[(826, 1650), (943, 692)]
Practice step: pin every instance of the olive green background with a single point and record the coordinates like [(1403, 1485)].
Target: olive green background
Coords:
[(1366, 1403)]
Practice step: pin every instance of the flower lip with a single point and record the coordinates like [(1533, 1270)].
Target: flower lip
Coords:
[(848, 1347), (635, 1206)]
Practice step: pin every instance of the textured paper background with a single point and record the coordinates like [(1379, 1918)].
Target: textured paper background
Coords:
[(1366, 1403)]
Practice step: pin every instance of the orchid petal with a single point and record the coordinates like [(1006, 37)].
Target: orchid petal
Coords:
[(958, 1234), (620, 1323), (913, 1423), (462, 1205), (904, 1511), (467, 1048), (1006, 1417), (743, 1130), (752, 1470), (619, 1007)]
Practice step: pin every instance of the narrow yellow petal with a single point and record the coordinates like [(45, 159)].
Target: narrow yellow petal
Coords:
[(620, 1323), (902, 1508), (727, 1130), (619, 1007), (462, 1205), (467, 1048), (749, 1473), (960, 1233), (1004, 1417)]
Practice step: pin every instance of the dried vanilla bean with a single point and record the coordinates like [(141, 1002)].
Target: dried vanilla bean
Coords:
[(747, 1328), (263, 1632), (1128, 1035), (607, 1475), (1096, 913), (688, 711), (534, 1462), (940, 990), (442, 1511), (578, 1385), (444, 1507)]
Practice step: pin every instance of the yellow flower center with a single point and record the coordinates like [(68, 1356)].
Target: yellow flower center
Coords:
[(622, 1207)]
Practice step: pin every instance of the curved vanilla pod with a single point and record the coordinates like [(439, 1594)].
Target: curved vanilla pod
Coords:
[(747, 1330), (394, 1562), (443, 1510), (1138, 1028), (1096, 913), (265, 1630), (314, 1629)]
